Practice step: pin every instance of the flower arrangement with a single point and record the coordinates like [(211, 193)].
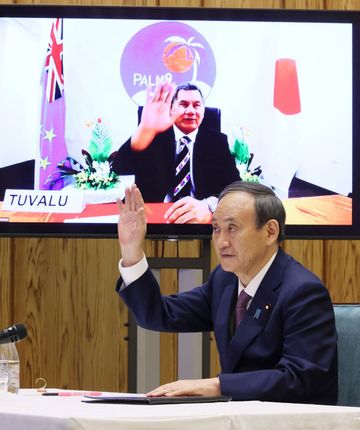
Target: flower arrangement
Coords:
[(243, 157), (97, 172)]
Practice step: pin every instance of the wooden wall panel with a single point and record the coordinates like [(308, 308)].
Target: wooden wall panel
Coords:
[(173, 248), (304, 4), (342, 4), (64, 292), (180, 3), (85, 2), (342, 270), (6, 317), (322, 4), (309, 252), (239, 4)]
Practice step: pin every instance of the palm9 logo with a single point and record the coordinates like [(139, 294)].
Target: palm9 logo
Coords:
[(168, 50)]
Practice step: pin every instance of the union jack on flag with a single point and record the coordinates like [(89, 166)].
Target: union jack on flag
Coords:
[(53, 148), (54, 62)]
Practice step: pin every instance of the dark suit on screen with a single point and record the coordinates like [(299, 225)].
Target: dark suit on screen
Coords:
[(154, 168), (285, 349)]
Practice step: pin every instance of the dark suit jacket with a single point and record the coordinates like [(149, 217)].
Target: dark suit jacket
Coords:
[(285, 349), (154, 168)]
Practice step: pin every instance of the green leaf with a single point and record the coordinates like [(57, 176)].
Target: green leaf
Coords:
[(240, 151), (100, 143)]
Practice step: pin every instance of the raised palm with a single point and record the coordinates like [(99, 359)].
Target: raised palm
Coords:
[(156, 113), (132, 222)]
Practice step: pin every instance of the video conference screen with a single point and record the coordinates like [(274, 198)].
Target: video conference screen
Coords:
[(279, 89)]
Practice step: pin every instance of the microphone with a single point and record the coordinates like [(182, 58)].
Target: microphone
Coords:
[(13, 334)]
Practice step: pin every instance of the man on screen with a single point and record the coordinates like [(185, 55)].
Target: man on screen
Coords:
[(173, 158), (273, 319)]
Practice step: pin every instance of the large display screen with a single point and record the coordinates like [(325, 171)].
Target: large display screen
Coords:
[(279, 86)]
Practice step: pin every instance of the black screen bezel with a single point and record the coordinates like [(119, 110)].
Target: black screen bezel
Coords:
[(199, 231)]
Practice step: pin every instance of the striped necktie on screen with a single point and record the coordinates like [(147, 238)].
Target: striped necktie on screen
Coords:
[(241, 306), (182, 173)]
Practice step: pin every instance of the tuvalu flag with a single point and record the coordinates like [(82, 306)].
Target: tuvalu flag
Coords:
[(52, 131)]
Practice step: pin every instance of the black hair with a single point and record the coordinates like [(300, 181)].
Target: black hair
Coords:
[(187, 86), (267, 203)]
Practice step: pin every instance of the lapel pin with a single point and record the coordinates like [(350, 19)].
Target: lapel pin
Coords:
[(268, 307), (257, 313)]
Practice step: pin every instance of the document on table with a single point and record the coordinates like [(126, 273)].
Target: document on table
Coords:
[(163, 400)]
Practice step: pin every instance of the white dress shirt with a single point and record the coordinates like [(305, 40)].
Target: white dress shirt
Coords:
[(254, 284), (178, 135)]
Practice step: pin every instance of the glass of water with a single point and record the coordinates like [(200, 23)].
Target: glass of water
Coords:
[(4, 375)]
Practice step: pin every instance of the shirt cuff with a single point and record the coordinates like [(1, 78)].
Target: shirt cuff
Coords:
[(132, 273), (212, 202)]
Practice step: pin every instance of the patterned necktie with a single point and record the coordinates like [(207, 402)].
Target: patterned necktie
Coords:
[(182, 173), (241, 305)]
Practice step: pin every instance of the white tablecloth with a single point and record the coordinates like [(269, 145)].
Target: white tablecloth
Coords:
[(26, 412)]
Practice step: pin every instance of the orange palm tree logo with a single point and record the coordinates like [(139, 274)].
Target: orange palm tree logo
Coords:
[(180, 55)]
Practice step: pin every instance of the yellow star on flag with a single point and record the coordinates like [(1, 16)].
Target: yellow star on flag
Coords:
[(44, 162), (49, 135)]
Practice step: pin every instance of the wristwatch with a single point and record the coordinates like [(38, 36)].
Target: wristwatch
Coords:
[(212, 203)]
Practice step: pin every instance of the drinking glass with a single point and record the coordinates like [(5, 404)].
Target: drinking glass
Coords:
[(4, 375)]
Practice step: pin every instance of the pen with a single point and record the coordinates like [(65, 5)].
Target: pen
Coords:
[(72, 393)]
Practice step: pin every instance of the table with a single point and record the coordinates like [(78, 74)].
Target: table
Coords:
[(322, 210), (27, 412), (334, 209)]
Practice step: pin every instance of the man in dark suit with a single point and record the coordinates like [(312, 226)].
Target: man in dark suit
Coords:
[(168, 168), (285, 346)]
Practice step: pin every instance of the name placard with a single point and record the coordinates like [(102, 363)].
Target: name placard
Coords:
[(71, 201)]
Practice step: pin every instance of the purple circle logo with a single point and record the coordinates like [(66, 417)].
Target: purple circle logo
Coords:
[(170, 51)]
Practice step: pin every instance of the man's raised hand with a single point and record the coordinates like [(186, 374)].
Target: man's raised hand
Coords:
[(131, 226), (155, 117)]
